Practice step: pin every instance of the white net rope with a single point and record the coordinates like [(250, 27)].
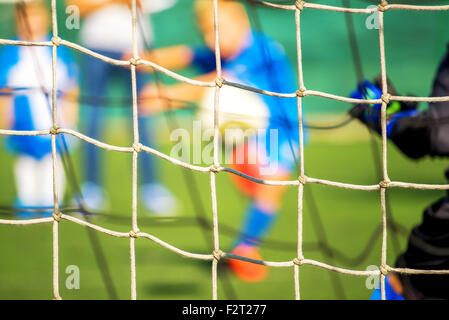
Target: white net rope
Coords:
[(214, 169)]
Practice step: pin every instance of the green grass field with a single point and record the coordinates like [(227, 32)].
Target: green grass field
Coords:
[(415, 42), (349, 219)]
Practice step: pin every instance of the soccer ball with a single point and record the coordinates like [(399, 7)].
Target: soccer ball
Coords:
[(239, 110)]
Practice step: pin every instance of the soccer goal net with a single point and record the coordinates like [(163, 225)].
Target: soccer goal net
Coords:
[(218, 255)]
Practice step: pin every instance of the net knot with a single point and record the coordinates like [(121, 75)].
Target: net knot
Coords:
[(137, 147), (383, 6), (134, 61), (57, 216), (302, 180), (386, 98), (298, 261), (301, 92), (56, 41), (217, 254), (384, 184), (54, 130), (384, 270), (214, 168), (300, 5), (219, 82), (134, 233)]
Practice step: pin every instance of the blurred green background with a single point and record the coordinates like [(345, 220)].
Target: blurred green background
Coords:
[(415, 43)]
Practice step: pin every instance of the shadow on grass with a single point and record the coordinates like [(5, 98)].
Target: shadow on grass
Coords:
[(171, 289)]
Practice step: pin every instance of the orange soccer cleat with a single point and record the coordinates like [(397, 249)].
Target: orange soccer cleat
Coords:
[(248, 271)]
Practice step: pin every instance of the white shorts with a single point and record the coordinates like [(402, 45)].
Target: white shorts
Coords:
[(34, 181)]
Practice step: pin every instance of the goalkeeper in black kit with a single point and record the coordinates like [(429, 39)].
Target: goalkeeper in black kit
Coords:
[(417, 134)]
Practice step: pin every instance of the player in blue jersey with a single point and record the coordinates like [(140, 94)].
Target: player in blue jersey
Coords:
[(28, 70), (256, 60)]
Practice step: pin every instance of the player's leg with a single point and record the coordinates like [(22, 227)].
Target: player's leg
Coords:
[(260, 215), (45, 175), (95, 80), (262, 212), (155, 196), (27, 184), (259, 218), (428, 249)]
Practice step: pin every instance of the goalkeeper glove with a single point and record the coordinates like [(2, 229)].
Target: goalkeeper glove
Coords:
[(370, 114)]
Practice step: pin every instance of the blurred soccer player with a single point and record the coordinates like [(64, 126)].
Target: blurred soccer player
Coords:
[(29, 69), (253, 59), (107, 29), (417, 134)]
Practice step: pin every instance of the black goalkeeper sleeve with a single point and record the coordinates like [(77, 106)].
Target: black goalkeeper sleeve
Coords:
[(428, 132)]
